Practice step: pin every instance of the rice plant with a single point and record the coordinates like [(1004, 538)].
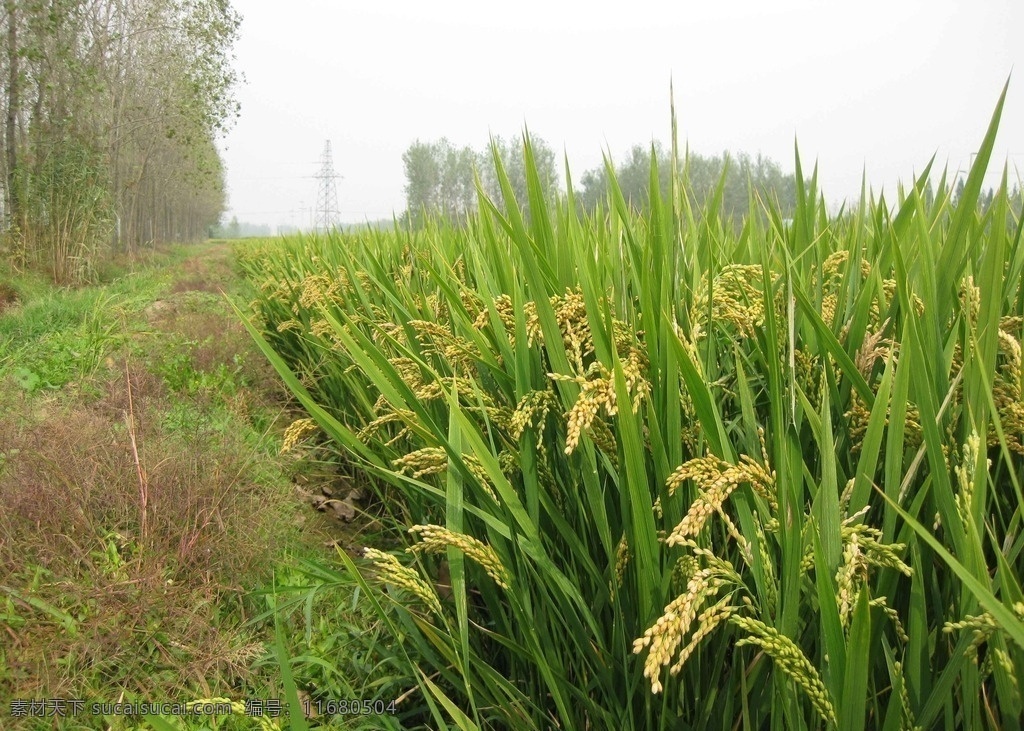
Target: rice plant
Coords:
[(653, 470)]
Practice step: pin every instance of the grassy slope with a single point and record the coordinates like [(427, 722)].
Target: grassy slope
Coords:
[(100, 599)]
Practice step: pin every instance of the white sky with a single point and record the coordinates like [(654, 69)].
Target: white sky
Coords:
[(875, 85)]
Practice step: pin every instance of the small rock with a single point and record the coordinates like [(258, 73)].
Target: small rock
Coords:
[(343, 509)]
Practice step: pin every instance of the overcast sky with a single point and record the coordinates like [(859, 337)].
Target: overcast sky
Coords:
[(872, 85)]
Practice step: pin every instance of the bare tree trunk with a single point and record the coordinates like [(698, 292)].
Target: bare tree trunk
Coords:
[(10, 126)]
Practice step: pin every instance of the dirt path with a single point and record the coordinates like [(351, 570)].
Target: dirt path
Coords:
[(143, 490)]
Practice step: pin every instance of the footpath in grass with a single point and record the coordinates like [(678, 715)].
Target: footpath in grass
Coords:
[(147, 509)]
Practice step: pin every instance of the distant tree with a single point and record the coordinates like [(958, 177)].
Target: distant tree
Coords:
[(513, 160), (986, 197), (703, 175), (438, 179), (634, 175), (457, 189), (766, 178), (422, 177), (236, 229), (1016, 201), (593, 188), (958, 190)]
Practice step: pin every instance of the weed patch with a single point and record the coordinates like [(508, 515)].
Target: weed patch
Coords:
[(143, 496)]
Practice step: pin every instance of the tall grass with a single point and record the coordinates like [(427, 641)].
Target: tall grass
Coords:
[(652, 470)]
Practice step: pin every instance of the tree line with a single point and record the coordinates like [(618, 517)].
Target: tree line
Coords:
[(111, 110), (440, 178), (738, 174)]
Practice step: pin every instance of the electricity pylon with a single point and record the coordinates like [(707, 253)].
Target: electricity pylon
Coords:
[(327, 192)]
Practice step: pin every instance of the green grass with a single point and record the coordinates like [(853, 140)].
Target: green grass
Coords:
[(789, 452), (50, 336)]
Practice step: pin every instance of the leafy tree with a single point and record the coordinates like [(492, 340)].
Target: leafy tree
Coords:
[(703, 175), (112, 111), (513, 160), (633, 177), (457, 189), (440, 178), (422, 179)]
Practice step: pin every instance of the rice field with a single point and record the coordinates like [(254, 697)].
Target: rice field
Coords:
[(653, 469)]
